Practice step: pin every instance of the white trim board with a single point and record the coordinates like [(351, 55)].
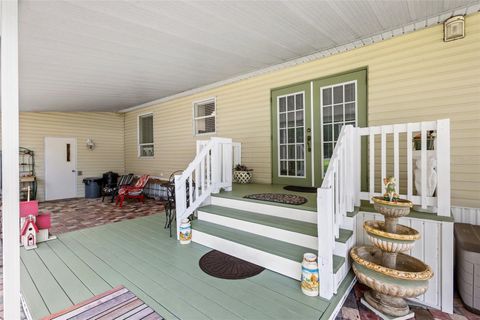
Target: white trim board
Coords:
[(421, 24)]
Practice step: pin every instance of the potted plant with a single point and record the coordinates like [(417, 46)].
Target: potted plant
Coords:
[(242, 174), (417, 141)]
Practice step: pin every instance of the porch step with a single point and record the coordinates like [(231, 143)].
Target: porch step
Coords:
[(296, 232), (265, 208), (279, 256)]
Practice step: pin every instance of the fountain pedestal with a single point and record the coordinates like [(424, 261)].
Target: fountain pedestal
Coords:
[(392, 275)]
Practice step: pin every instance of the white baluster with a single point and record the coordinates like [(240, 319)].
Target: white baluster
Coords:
[(383, 158), (409, 162), (371, 170), (423, 153), (396, 156)]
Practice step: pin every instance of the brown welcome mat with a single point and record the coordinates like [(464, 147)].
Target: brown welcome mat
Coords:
[(221, 265), (278, 197), (116, 303)]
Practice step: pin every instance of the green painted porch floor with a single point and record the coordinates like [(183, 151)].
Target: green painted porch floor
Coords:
[(241, 190), (165, 274)]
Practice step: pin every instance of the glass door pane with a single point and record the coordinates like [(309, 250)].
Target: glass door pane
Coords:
[(338, 106), (291, 135)]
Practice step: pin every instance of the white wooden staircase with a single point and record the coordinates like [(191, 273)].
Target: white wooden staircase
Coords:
[(261, 236), (276, 237)]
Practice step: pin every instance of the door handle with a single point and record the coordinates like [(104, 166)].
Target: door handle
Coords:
[(309, 140), (74, 170)]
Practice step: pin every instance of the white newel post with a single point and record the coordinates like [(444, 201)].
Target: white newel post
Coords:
[(443, 167), (216, 166), (180, 201), (10, 167), (325, 245)]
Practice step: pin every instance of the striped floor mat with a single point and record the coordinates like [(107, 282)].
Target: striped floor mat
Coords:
[(118, 303)]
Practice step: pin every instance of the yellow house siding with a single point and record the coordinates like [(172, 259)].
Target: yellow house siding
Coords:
[(105, 128), (411, 78)]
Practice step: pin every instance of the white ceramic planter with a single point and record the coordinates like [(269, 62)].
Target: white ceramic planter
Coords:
[(310, 275), (185, 232)]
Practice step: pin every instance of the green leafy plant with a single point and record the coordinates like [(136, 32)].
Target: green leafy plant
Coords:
[(241, 167)]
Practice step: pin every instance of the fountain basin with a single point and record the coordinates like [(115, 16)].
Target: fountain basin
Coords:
[(403, 240), (392, 209), (408, 280)]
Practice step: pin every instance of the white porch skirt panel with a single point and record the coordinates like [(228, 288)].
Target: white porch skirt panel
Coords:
[(435, 248), (466, 215)]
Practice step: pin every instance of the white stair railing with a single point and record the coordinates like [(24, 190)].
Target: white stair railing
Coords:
[(417, 161), (341, 187), (335, 198), (210, 171)]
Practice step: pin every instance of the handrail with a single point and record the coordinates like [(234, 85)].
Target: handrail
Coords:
[(335, 197), (210, 171)]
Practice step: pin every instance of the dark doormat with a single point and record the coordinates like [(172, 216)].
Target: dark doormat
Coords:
[(224, 266), (301, 189), (278, 197)]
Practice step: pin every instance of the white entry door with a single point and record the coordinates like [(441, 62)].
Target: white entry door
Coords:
[(60, 168)]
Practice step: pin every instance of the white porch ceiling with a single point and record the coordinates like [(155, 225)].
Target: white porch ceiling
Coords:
[(111, 55)]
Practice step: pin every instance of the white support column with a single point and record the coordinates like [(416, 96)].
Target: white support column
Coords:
[(10, 168)]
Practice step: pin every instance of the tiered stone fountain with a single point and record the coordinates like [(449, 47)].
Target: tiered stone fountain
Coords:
[(391, 274)]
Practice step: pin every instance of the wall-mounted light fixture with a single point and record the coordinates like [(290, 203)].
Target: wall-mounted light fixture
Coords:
[(454, 28), (90, 144)]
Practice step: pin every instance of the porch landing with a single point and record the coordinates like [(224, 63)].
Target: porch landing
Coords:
[(241, 190), (140, 255)]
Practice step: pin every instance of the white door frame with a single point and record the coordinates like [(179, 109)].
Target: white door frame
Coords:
[(74, 159)]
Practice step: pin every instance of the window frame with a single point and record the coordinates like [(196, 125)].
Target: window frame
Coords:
[(139, 145), (194, 121)]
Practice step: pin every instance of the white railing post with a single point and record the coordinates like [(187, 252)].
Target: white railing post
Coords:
[(325, 242), (237, 153), (227, 165), (216, 166), (358, 165), (180, 200), (443, 167)]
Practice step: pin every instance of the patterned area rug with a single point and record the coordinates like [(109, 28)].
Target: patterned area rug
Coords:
[(118, 303), (224, 266), (278, 197), (353, 309)]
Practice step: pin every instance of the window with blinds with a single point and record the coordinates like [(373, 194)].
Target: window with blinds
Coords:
[(204, 117), (145, 136)]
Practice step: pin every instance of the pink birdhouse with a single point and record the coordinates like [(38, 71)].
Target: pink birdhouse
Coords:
[(29, 233)]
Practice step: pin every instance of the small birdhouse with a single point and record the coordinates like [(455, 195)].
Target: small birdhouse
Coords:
[(29, 233)]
